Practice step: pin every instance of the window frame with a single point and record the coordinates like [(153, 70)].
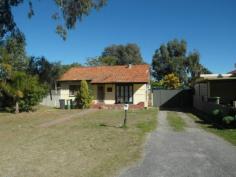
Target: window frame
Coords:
[(74, 90), (109, 89), (119, 87)]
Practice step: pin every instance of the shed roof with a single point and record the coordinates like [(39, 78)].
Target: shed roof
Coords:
[(215, 77)]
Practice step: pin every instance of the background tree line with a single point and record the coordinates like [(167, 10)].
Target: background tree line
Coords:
[(171, 67), (25, 80), (172, 58)]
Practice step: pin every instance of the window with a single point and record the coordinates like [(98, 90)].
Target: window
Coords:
[(73, 90), (124, 93), (109, 89)]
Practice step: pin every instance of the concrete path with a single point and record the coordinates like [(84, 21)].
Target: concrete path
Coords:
[(191, 153), (65, 119)]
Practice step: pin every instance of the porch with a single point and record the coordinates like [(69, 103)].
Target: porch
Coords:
[(117, 94)]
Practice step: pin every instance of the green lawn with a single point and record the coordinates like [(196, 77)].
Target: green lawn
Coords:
[(90, 146), (228, 134), (175, 121)]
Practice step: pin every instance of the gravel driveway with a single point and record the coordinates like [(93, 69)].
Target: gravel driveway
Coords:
[(191, 153)]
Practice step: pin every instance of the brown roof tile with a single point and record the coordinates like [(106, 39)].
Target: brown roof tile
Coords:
[(109, 74)]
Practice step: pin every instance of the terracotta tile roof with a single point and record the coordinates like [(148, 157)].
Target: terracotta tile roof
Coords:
[(108, 74)]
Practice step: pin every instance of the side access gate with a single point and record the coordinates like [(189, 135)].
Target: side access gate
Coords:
[(172, 98)]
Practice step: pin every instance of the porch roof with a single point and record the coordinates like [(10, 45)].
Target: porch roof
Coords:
[(109, 74)]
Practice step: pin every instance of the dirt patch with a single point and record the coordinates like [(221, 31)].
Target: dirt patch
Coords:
[(65, 119)]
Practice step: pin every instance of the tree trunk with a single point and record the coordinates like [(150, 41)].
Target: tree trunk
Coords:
[(17, 107)]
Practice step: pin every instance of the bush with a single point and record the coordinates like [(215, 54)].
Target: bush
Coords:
[(171, 81), (228, 120), (32, 97), (232, 112), (83, 97), (33, 94), (216, 112), (217, 115), (28, 87)]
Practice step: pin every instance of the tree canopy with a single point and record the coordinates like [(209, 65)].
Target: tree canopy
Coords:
[(101, 61), (173, 58), (118, 55), (69, 11), (23, 80), (124, 54), (48, 72)]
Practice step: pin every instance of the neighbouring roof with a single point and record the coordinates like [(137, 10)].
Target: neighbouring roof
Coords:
[(211, 77), (109, 74)]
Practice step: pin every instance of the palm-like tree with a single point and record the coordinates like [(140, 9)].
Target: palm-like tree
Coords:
[(15, 88)]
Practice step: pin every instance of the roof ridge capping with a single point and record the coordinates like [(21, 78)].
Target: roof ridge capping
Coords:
[(101, 66)]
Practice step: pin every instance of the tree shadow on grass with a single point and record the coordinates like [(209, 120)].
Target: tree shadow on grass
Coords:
[(112, 126)]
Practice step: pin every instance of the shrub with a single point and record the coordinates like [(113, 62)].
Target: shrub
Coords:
[(232, 112), (227, 120), (171, 81), (33, 94), (217, 114), (83, 97), (22, 92)]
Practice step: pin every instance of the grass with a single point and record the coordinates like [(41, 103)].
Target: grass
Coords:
[(227, 134), (90, 146), (175, 121), (147, 126)]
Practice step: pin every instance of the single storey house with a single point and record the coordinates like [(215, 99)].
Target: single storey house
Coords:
[(211, 89), (110, 85)]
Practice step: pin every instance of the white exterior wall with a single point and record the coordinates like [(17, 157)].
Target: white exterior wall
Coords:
[(110, 96), (64, 90), (141, 94)]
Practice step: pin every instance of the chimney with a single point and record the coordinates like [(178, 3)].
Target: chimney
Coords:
[(130, 66)]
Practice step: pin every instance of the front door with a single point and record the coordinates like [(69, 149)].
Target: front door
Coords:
[(100, 93)]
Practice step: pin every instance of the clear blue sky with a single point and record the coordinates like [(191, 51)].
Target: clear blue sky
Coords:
[(208, 26)]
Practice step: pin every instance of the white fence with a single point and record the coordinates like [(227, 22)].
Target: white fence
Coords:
[(52, 99)]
